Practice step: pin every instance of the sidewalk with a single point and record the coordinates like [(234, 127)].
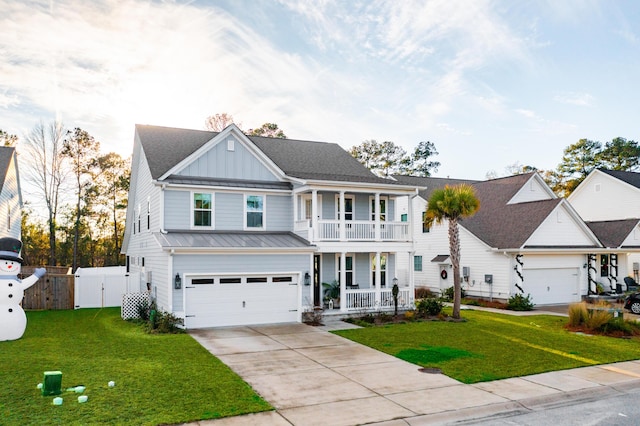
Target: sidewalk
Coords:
[(313, 377)]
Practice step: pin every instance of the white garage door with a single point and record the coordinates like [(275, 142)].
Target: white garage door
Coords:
[(217, 301), (552, 286)]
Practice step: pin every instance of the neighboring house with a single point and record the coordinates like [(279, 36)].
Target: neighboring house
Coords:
[(523, 239), (228, 229), (609, 200), (10, 194)]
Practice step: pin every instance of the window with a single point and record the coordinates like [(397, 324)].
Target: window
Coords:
[(404, 217), (425, 227), (139, 213), (255, 211), (417, 263), (604, 265), (148, 214), (348, 269), (383, 269), (201, 281), (202, 208), (234, 280), (348, 207), (282, 280), (256, 280), (382, 209)]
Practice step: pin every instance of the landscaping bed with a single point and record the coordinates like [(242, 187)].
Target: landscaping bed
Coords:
[(159, 378)]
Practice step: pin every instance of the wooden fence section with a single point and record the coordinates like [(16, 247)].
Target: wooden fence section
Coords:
[(53, 291)]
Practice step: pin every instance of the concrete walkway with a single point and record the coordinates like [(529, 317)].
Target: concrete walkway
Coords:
[(313, 377)]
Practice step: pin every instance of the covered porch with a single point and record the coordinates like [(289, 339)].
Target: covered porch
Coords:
[(348, 282)]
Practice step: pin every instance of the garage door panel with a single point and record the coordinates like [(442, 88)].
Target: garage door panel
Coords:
[(552, 285), (215, 305)]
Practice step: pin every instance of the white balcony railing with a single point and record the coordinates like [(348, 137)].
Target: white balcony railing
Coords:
[(362, 230)]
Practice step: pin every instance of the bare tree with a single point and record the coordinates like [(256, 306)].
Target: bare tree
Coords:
[(7, 139), (45, 170), (218, 122)]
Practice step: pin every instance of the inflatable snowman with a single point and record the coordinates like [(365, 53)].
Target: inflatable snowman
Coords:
[(13, 321)]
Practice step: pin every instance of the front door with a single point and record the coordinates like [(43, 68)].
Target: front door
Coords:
[(317, 288)]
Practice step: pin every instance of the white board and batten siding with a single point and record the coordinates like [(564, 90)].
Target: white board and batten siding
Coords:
[(560, 229), (534, 190)]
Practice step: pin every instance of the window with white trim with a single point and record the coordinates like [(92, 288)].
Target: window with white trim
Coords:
[(382, 208), (417, 263), (383, 269), (254, 208), (348, 269), (348, 207), (202, 209)]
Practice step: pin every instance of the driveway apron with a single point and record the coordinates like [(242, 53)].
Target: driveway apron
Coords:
[(313, 377)]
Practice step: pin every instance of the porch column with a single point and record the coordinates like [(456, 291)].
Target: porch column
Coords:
[(412, 285), (376, 215), (343, 282), (378, 278), (314, 215), (343, 231), (296, 218)]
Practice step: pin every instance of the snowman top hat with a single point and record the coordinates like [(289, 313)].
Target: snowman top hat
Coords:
[(10, 249)]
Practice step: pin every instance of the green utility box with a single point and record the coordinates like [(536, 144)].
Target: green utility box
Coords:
[(52, 383)]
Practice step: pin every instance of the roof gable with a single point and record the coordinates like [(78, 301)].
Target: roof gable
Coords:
[(616, 233), (562, 228), (6, 155), (535, 189), (631, 178)]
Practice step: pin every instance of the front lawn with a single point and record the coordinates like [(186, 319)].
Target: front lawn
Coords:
[(159, 379), (492, 346)]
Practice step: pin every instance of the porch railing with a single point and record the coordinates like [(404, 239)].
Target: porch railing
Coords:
[(365, 299), (361, 230)]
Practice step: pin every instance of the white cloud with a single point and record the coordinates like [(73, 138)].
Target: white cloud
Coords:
[(574, 98)]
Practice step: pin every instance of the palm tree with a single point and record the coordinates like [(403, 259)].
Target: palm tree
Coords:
[(452, 203)]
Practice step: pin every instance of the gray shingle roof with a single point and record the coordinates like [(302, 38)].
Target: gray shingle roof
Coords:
[(165, 147), (6, 154), (612, 233), (428, 184), (231, 239), (230, 183), (632, 178)]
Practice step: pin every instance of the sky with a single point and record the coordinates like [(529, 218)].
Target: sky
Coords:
[(490, 83)]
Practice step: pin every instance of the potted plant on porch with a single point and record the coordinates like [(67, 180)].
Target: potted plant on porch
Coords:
[(331, 294)]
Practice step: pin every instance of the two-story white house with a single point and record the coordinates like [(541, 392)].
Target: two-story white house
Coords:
[(229, 229), (523, 240)]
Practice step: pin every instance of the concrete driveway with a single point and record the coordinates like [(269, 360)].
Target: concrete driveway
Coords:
[(313, 377), (317, 378)]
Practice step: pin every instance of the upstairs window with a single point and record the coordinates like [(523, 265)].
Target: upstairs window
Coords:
[(417, 263), (255, 211), (202, 209), (148, 215), (425, 227)]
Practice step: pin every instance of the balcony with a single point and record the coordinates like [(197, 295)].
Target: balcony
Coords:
[(354, 230)]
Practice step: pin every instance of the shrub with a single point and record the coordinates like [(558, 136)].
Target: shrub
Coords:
[(423, 292), (448, 294), (597, 319), (429, 307), (143, 308), (518, 302), (165, 322), (577, 314), (409, 315)]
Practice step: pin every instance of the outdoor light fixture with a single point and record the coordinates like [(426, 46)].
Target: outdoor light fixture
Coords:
[(307, 278), (177, 282)]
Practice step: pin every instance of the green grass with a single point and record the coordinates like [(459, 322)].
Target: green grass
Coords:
[(160, 379), (492, 346)]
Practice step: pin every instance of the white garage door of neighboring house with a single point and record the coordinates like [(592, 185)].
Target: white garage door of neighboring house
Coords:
[(552, 286), (217, 301)]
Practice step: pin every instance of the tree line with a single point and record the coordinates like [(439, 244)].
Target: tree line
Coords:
[(77, 215)]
